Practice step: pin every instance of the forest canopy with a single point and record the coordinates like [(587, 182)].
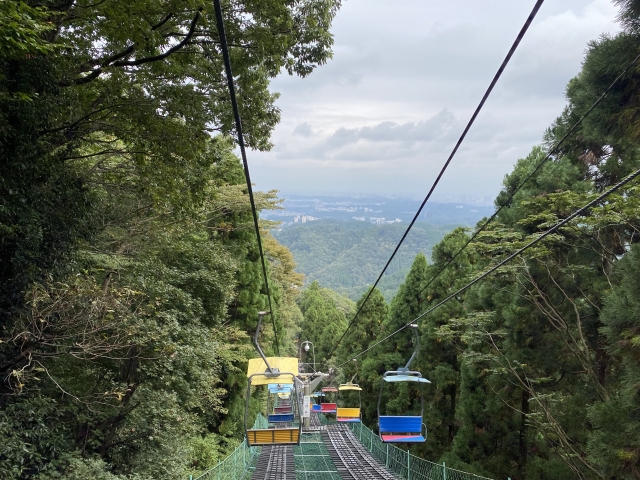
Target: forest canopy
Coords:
[(129, 270), (534, 370)]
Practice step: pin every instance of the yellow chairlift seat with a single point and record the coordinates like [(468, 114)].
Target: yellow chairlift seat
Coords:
[(275, 373), (273, 436), (283, 364), (349, 386), (348, 414)]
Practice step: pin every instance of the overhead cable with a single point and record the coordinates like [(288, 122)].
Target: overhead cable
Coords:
[(553, 150), (553, 229), (236, 113), (496, 77)]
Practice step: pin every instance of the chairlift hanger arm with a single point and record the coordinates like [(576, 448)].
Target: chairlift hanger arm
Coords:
[(355, 374), (257, 345), (416, 338), (316, 381)]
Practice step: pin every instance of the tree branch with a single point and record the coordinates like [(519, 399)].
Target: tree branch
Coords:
[(114, 61)]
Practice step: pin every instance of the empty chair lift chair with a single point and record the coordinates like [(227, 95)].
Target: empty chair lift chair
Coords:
[(349, 414), (283, 409), (329, 407), (277, 373), (316, 407), (403, 428)]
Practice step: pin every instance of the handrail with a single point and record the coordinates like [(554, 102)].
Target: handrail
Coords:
[(404, 464), (238, 463)]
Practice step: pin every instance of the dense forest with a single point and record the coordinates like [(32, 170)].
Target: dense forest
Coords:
[(348, 256), (129, 270), (130, 276)]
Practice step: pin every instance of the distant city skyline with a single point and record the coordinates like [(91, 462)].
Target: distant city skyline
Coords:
[(373, 209), (486, 200)]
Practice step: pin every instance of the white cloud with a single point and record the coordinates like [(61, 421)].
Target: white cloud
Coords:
[(383, 115)]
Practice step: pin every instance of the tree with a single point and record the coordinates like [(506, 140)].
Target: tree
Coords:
[(322, 322), (614, 443), (364, 331)]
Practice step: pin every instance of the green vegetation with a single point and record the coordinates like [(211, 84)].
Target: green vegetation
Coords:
[(130, 277), (348, 256), (129, 271)]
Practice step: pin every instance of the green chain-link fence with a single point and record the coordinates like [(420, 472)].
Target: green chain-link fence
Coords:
[(312, 459), (240, 464), (313, 462), (402, 463)]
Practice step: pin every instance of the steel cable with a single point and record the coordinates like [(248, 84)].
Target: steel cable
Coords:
[(551, 152), (236, 113), (553, 229), (496, 77)]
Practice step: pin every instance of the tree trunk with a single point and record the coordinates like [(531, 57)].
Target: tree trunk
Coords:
[(522, 441)]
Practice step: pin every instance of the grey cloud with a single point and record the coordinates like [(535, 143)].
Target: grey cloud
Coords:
[(384, 141), (303, 130), (392, 132), (342, 137)]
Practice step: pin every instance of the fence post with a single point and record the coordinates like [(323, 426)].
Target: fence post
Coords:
[(444, 471), (218, 468), (191, 477), (408, 465), (387, 462)]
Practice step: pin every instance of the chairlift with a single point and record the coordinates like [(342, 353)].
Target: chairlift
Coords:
[(316, 407), (403, 428), (349, 414), (285, 425), (283, 409), (330, 392)]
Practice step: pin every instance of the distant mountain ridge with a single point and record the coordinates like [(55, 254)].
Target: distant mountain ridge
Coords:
[(348, 256)]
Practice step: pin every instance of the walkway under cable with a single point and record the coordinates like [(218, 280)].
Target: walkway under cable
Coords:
[(351, 458), (330, 452), (326, 452), (275, 463)]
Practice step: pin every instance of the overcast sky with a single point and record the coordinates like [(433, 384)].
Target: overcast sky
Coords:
[(384, 113)]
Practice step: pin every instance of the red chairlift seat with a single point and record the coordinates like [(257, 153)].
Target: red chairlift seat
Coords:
[(329, 407)]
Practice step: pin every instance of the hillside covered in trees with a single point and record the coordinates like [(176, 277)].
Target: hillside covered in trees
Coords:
[(348, 256), (129, 271), (535, 369)]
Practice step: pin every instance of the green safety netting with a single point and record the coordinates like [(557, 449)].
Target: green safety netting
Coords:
[(240, 464), (314, 463), (402, 463), (312, 459)]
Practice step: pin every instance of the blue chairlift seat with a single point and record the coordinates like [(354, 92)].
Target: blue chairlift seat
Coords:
[(401, 429), (280, 418)]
